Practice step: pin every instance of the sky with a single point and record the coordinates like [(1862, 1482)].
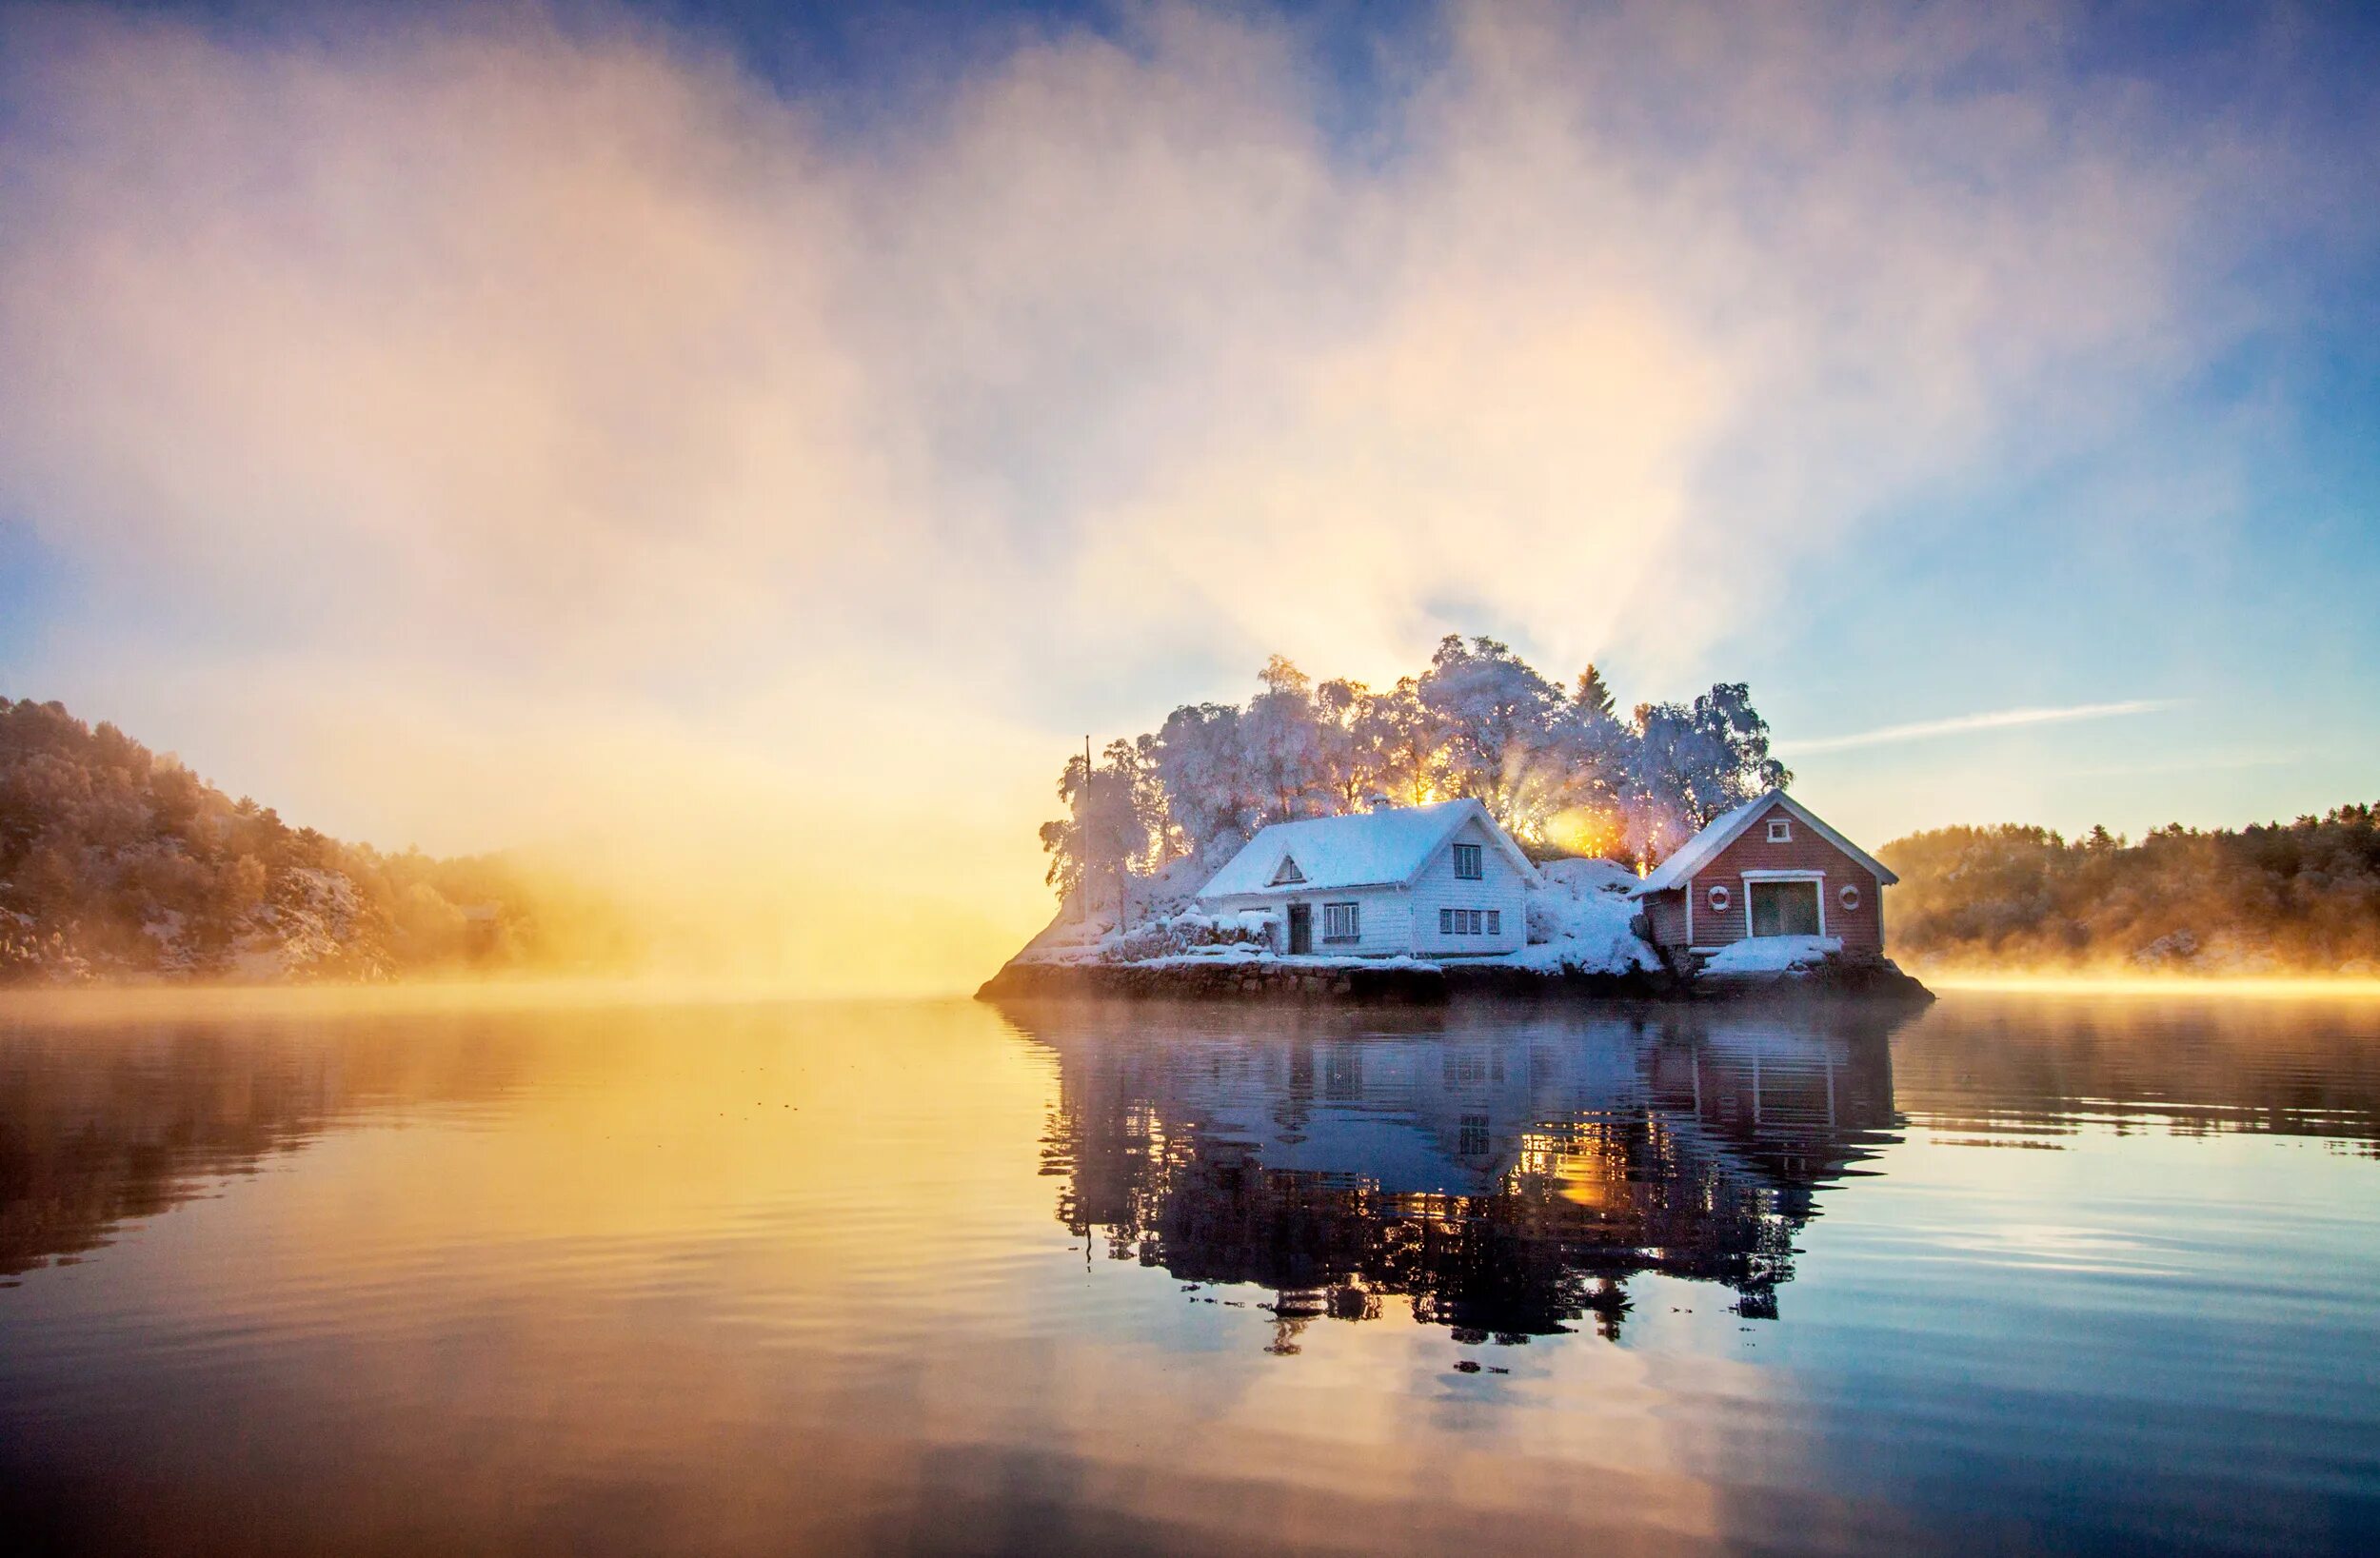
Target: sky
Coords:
[(751, 445)]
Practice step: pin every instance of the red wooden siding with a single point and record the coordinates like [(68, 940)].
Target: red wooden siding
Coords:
[(1667, 911), (1807, 850)]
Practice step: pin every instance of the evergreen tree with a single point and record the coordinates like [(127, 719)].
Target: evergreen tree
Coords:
[(1593, 698)]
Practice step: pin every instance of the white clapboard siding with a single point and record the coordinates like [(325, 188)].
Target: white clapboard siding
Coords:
[(1500, 887), (1382, 920)]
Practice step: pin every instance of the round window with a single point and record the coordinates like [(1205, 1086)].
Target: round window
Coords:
[(1850, 897), (1718, 899)]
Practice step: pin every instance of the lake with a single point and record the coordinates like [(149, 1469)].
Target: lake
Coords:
[(2018, 1273)]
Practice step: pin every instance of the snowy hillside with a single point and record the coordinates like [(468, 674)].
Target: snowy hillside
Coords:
[(1581, 922)]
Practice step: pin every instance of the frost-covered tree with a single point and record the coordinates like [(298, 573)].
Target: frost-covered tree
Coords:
[(1590, 754), (1353, 763), (1115, 823), (1558, 768), (1693, 762), (1494, 720), (1201, 768), (1396, 728), (1287, 751)]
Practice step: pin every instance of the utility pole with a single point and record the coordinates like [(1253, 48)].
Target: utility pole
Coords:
[(1083, 833)]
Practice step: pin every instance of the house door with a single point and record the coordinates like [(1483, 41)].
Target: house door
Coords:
[(1300, 929), (1784, 907)]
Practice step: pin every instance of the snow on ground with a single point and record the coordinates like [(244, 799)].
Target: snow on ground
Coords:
[(1579, 876), (308, 928), (1580, 921), (1075, 937), (1773, 955), (1239, 957)]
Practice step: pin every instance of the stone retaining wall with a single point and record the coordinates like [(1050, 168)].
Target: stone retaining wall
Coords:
[(1412, 984), (1406, 984)]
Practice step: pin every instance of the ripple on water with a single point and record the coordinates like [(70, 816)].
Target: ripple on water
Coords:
[(2050, 1273)]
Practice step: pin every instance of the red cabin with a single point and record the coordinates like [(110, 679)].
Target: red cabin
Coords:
[(1769, 868)]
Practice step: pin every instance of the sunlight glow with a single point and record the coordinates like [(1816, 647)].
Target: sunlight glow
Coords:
[(2264, 986)]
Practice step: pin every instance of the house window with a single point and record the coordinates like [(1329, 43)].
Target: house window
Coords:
[(1467, 862), (1496, 922), (1469, 921), (1781, 830), (1341, 922), (1288, 872), (1446, 922)]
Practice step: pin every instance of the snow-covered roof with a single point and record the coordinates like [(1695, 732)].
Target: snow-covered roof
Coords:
[(1367, 849), (1724, 829)]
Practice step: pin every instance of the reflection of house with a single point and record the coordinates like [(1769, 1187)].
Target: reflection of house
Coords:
[(1437, 881), (1505, 1179), (1768, 868)]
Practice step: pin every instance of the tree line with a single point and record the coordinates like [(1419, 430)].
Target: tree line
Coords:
[(118, 861), (1558, 767), (2279, 897)]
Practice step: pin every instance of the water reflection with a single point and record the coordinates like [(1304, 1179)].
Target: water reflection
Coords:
[(1504, 1179), (2029, 1071), (100, 1129), (777, 1278)]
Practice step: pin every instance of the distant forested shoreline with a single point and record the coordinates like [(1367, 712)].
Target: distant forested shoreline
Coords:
[(2300, 898), (118, 863)]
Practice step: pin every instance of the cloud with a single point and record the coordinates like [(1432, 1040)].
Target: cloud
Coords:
[(599, 439), (1967, 725)]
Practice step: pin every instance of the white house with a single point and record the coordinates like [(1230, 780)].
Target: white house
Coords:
[(1428, 881)]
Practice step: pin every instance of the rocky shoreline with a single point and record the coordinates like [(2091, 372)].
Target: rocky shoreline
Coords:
[(1408, 983)]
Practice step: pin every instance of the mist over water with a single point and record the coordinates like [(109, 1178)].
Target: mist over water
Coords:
[(2045, 1270)]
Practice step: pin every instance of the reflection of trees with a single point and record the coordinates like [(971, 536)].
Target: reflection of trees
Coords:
[(1505, 1177), (2029, 1066), (98, 1129)]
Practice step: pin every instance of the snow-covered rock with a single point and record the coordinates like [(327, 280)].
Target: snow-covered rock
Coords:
[(1582, 921), (1189, 933), (1080, 935), (1773, 955)]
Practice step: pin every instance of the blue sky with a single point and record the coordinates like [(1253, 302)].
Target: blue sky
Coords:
[(414, 415)]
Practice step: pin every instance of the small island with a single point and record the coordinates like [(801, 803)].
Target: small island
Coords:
[(1235, 865)]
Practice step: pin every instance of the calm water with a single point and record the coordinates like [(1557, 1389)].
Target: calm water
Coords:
[(2023, 1273)]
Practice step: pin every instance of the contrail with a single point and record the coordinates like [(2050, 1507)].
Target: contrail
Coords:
[(1960, 725)]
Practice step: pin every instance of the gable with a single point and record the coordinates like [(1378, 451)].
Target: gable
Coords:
[(1769, 846), (1495, 864), (1748, 822)]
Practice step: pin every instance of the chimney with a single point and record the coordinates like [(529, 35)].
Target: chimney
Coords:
[(1377, 801)]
